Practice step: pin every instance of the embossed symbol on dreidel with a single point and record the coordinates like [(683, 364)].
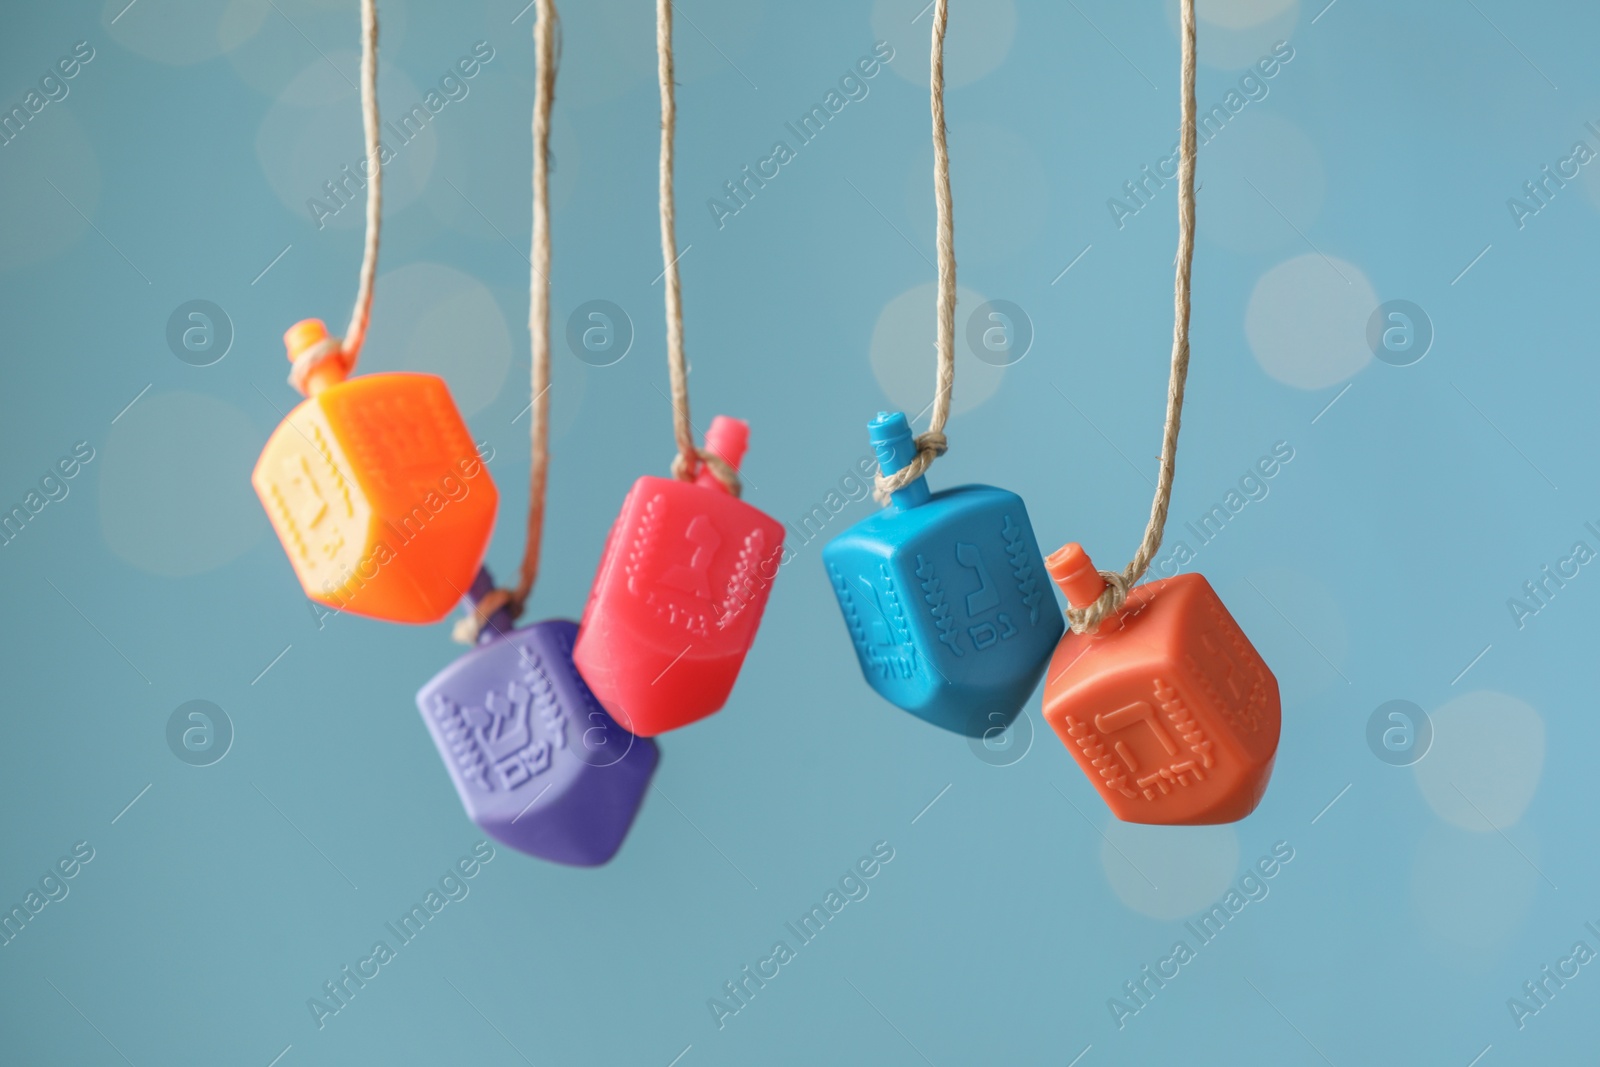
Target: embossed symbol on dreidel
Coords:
[(945, 596), (1168, 709), (677, 599), (536, 760), (376, 491)]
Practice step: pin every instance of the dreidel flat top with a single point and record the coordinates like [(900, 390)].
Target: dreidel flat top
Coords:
[(945, 596), (376, 491), (683, 580), (1168, 709), (536, 761)]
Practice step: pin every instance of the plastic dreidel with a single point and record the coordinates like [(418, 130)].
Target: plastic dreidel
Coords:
[(376, 490), (1168, 709), (536, 760), (678, 596), (945, 596)]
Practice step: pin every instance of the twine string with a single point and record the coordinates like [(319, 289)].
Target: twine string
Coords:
[(344, 352), (686, 465), (546, 37), (933, 444), (1088, 619)]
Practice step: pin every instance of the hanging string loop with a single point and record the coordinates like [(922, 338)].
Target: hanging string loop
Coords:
[(344, 352), (546, 36), (933, 444), (1087, 620), (690, 459)]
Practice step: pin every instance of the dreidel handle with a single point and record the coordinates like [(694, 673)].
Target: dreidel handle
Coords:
[(299, 339), (1075, 573), (499, 623), (892, 440), (726, 438)]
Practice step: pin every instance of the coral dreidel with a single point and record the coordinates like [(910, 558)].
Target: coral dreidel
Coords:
[(945, 596), (677, 599), (1156, 692), (1167, 707), (376, 490), (536, 760)]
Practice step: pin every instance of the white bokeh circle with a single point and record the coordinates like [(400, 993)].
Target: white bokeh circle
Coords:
[(266, 40), (175, 495), (485, 198), (50, 173), (717, 42), (1168, 872), (432, 318), (180, 33), (612, 29), (977, 39), (1241, 14), (1307, 321), (1234, 34), (1470, 890), (311, 135), (1264, 184), (1485, 762), (902, 353), (240, 21)]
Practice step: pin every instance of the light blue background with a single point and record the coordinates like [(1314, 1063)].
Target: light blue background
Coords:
[(1378, 567)]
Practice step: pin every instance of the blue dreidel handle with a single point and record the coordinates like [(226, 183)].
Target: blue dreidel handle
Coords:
[(896, 447)]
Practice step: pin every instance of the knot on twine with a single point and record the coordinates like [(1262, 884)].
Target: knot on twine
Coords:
[(1108, 603), (721, 469), (930, 446), (469, 626), (329, 349)]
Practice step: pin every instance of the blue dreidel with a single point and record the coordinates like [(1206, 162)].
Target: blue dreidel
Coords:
[(945, 596), (536, 760)]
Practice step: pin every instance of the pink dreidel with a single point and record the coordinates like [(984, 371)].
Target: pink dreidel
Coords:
[(682, 582)]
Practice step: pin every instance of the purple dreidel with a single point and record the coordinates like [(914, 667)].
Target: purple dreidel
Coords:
[(539, 764)]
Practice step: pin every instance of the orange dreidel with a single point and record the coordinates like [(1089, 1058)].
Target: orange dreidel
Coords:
[(1168, 709), (375, 487)]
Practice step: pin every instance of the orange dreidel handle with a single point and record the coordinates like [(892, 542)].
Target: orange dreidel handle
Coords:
[(300, 339), (1075, 573), (1076, 576)]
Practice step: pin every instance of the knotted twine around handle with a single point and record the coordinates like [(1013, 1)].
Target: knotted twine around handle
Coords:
[(1087, 620), (687, 463), (933, 444), (546, 32), (345, 352)]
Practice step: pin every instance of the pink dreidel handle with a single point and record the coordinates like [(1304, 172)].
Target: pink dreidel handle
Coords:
[(726, 439)]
